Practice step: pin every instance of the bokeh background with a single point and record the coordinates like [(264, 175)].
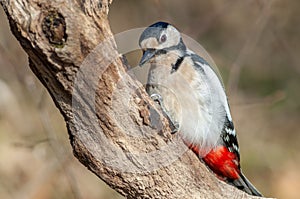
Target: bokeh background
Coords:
[(255, 44)]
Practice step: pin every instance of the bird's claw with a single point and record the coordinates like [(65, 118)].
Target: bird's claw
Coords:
[(174, 126), (157, 97)]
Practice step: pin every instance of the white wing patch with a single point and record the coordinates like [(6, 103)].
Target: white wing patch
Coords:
[(230, 131)]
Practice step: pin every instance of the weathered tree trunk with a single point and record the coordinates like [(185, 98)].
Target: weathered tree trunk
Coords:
[(111, 121)]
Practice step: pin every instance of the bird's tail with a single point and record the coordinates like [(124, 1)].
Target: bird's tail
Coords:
[(244, 184)]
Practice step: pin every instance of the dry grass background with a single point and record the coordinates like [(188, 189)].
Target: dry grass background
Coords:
[(256, 45)]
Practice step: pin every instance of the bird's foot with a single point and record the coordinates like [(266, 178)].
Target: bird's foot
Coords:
[(174, 126)]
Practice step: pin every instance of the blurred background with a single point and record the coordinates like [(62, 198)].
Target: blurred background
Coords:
[(256, 46)]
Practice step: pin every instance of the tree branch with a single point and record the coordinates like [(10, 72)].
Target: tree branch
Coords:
[(111, 121)]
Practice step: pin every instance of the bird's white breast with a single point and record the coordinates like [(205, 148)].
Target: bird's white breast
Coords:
[(194, 99)]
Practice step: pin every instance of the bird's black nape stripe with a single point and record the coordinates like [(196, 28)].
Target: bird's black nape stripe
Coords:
[(177, 64)]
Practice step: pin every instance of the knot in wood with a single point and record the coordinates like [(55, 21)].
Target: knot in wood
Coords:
[(54, 28)]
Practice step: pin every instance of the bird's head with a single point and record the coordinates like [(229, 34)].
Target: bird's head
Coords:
[(159, 38)]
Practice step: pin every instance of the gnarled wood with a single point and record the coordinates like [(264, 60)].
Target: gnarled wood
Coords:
[(112, 123)]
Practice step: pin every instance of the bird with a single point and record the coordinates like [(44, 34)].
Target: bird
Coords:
[(193, 98)]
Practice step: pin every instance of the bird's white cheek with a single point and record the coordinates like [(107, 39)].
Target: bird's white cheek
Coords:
[(149, 43), (172, 40)]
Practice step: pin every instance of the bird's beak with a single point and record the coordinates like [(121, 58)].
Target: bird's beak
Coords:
[(147, 55)]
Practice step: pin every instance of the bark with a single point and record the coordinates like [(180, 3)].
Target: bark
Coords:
[(115, 130)]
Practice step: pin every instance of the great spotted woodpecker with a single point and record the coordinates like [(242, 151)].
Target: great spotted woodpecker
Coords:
[(194, 99)]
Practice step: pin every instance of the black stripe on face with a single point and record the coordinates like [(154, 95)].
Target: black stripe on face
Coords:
[(161, 52)]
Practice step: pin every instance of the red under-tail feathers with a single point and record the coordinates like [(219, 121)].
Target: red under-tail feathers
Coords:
[(226, 166)]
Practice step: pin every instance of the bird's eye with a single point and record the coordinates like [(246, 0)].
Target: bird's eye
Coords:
[(163, 38)]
